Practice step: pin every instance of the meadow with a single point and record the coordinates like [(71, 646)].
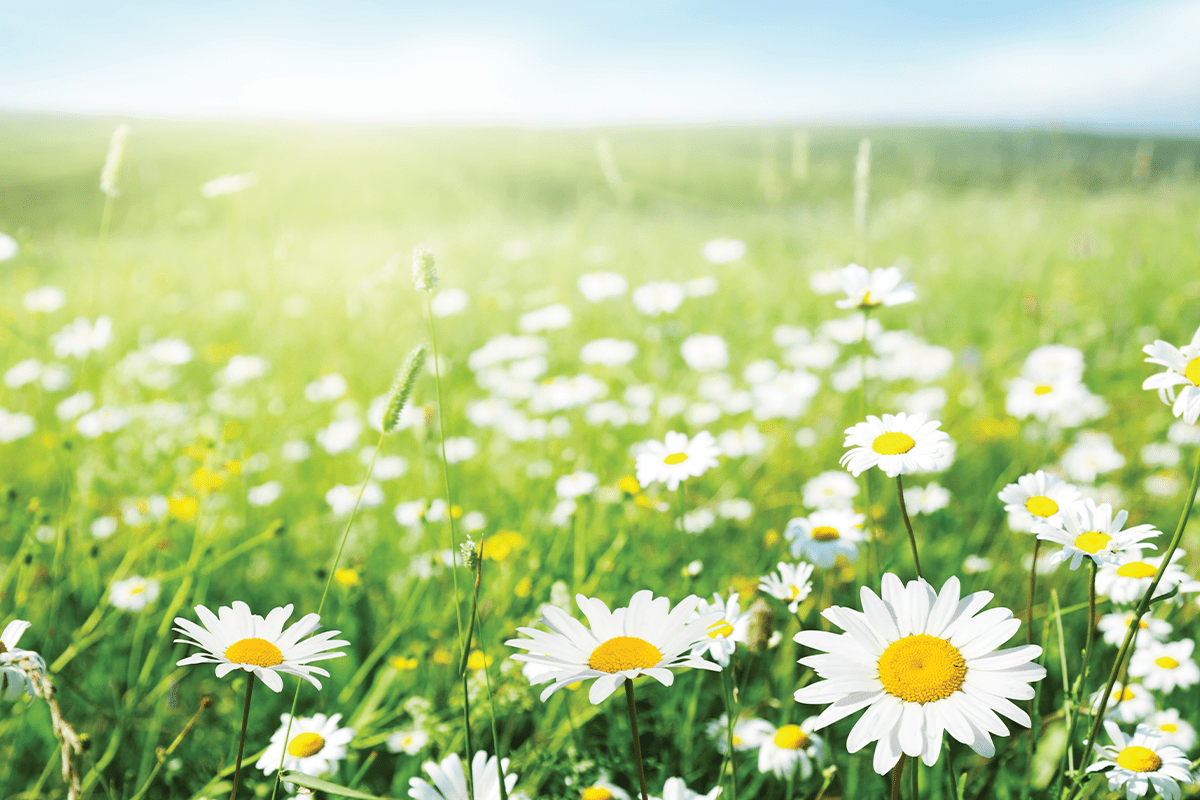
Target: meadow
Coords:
[(233, 410)]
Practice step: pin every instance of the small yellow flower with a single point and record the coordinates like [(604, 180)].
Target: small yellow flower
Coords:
[(183, 507), (197, 452), (477, 660), (524, 587), (204, 480), (629, 485), (402, 664), (456, 511), (771, 538), (233, 467), (442, 657), (346, 577), (642, 501), (500, 545), (993, 428)]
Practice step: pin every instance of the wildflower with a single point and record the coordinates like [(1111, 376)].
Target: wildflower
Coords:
[(1142, 762), (1054, 363), (597, 286), (832, 489), (921, 663), (748, 734), (409, 741), (896, 444), (577, 484), (786, 396), (926, 499), (1129, 703), (1128, 579), (8, 247), (603, 790), (449, 302), (824, 535), (726, 632), (701, 287), (340, 435), (44, 300), (228, 184), (13, 680), (133, 593), (646, 638), (723, 250), (653, 299), (241, 370), (870, 289), (1115, 627), (737, 508), (325, 388), (459, 448), (676, 789), (450, 781), (14, 426), (676, 459), (792, 747), (82, 337), (103, 527), (267, 651), (1173, 730), (1160, 454), (551, 318), (295, 450), (1038, 497), (1091, 530), (317, 745), (705, 352), (698, 520), (608, 352), (1091, 455), (342, 498), (106, 419), (264, 495), (1183, 369), (1165, 666), (974, 565), (791, 584)]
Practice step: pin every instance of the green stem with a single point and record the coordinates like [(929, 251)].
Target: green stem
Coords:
[(237, 770), (913, 777), (637, 745), (898, 777), (1032, 705), (730, 716), (1081, 692), (912, 539)]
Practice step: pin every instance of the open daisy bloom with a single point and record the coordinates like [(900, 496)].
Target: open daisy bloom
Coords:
[(790, 748), (1093, 531), (824, 535), (647, 638), (921, 662), (1142, 761), (676, 789), (726, 632), (791, 584), (676, 458), (13, 680), (1183, 370), (450, 780), (1037, 497), (873, 288), (897, 444), (316, 746), (235, 638)]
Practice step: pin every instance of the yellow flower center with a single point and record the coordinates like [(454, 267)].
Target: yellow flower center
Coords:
[(596, 793), (1041, 506), (1043, 389), (1192, 373), (922, 668), (790, 737), (258, 652), (893, 443), (1136, 569), (1092, 541), (137, 590), (722, 628), (675, 458), (825, 534), (346, 577), (305, 745), (1168, 727), (1124, 695), (737, 740), (795, 592), (624, 652), (1139, 759), (1166, 662)]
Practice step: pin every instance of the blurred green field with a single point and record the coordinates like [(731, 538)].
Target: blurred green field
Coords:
[(1014, 239)]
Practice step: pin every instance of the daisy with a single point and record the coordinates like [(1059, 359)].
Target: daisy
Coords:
[(1141, 762), (676, 458), (926, 499), (870, 289), (1165, 666), (1183, 369), (921, 663), (1172, 729), (831, 489), (316, 746), (234, 638), (676, 789), (792, 747), (725, 632), (792, 584), (1090, 456), (723, 250), (1116, 626), (1127, 580), (1091, 530), (410, 741), (1129, 703), (662, 297), (133, 594), (604, 790), (608, 352), (450, 781), (1037, 497), (646, 638), (1067, 403), (597, 286), (822, 536), (705, 352), (13, 680), (1054, 363), (748, 734), (896, 444)]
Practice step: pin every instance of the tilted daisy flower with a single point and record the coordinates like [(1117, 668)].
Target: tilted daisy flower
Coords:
[(822, 536), (1172, 729), (450, 780), (748, 734), (1090, 530), (1115, 627), (604, 790), (831, 489), (13, 680), (646, 638), (134, 593), (1037, 497), (921, 662), (235, 638), (676, 789), (868, 289), (1183, 369), (897, 444), (1129, 703), (725, 632), (1165, 666), (1142, 761), (791, 584), (316, 745), (1128, 580), (791, 748), (676, 458)]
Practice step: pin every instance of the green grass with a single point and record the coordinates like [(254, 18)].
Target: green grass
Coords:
[(1014, 239)]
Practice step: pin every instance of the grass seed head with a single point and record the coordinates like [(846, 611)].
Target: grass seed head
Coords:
[(402, 387), (424, 269)]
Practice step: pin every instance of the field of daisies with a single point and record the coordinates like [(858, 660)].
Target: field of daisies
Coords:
[(476, 465)]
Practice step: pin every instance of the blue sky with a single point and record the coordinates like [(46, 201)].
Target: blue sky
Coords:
[(1123, 65)]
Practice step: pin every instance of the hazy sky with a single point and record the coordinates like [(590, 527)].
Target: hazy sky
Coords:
[(1128, 65)]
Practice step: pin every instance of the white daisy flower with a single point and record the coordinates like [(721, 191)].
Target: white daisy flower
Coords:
[(790, 748), (1090, 456), (597, 286), (646, 638), (13, 681), (1037, 497), (577, 484), (661, 297), (133, 593), (450, 781), (1091, 530), (1165, 666), (8, 247), (1142, 762), (1129, 703), (725, 632), (316, 746), (551, 318), (926, 499), (896, 444), (1183, 369), (705, 352), (1054, 362), (748, 734), (1115, 627), (1058, 401), (676, 458), (235, 638), (831, 489), (921, 663), (676, 789), (822, 536), (1128, 579), (873, 288), (791, 584), (410, 741), (604, 790), (608, 352), (1172, 729), (723, 250)]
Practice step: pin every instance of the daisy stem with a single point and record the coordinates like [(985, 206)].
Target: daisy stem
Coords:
[(912, 539), (730, 716), (866, 480), (1037, 543), (237, 767), (637, 745), (682, 507), (898, 776), (1081, 692), (1143, 607), (913, 775)]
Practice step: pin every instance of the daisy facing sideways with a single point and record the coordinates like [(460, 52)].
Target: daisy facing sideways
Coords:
[(1183, 370), (726, 632), (646, 638), (822, 536), (1037, 497), (1092, 531), (1142, 761), (316, 745), (235, 638), (921, 663), (676, 458), (450, 780), (13, 680), (873, 288), (897, 444), (1127, 580), (792, 584)]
